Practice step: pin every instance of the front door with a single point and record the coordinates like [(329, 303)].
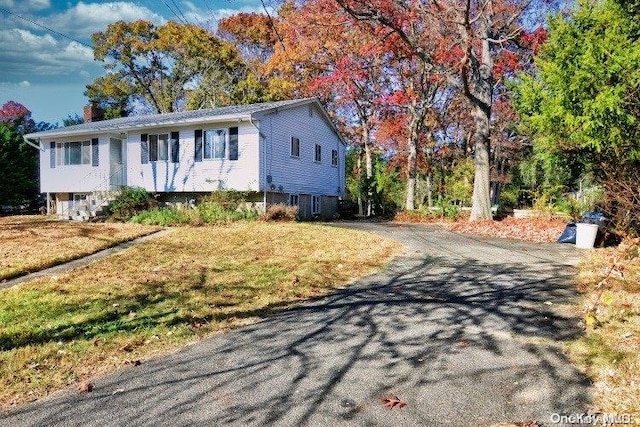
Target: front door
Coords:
[(117, 166)]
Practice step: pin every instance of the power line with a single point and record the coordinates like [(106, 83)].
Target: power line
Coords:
[(172, 11), (180, 11), (46, 28), (275, 30)]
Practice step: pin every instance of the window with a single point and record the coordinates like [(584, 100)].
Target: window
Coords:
[(334, 157), (294, 200), (79, 200), (73, 153), (295, 147), (318, 153), (215, 141), (159, 147), (315, 205), (212, 144)]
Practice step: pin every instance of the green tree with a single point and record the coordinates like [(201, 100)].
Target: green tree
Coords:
[(581, 107), (167, 68)]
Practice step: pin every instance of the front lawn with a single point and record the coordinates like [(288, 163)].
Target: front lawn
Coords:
[(166, 292), (32, 243)]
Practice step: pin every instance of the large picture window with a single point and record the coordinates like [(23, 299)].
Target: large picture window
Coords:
[(73, 153)]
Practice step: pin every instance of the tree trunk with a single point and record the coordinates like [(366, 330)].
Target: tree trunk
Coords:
[(429, 191), (412, 161), (482, 101), (360, 207), (368, 159), (481, 206)]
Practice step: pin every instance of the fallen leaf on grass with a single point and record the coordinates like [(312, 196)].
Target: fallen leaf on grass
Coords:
[(392, 402), (132, 362), (463, 343)]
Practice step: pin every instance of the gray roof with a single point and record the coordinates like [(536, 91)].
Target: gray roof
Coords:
[(235, 112)]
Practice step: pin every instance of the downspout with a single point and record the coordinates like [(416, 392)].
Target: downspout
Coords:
[(264, 162)]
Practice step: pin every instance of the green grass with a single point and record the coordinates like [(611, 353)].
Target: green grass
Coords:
[(166, 292)]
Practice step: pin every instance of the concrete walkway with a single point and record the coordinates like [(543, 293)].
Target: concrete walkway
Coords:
[(465, 330), (60, 268)]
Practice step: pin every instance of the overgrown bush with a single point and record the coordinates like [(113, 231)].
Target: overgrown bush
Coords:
[(129, 202), (280, 212), (622, 200), (163, 217), (213, 212), (206, 212), (228, 199)]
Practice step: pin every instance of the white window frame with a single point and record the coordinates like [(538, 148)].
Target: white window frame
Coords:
[(214, 151), (316, 204), (161, 151), (63, 153), (294, 200), (334, 158), (317, 153), (292, 152)]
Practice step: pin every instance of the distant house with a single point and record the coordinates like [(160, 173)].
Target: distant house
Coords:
[(280, 152)]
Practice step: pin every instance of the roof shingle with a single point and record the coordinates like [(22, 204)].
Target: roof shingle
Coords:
[(154, 120)]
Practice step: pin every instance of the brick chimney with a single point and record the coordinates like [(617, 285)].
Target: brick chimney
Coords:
[(93, 113)]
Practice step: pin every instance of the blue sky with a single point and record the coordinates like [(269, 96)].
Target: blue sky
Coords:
[(47, 72)]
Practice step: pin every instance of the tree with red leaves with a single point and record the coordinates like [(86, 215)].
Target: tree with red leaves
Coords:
[(460, 40)]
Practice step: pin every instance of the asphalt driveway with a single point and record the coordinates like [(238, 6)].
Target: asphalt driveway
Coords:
[(466, 330)]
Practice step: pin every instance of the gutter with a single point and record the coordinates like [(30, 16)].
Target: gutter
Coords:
[(264, 161), (33, 144)]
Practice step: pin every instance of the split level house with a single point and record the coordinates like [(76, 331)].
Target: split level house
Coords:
[(279, 152)]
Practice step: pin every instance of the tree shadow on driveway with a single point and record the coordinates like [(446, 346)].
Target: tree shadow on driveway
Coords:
[(463, 341)]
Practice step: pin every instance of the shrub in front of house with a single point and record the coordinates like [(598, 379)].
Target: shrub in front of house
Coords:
[(280, 212), (129, 202), (218, 208)]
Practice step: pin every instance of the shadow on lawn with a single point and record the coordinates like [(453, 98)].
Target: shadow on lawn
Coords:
[(453, 340)]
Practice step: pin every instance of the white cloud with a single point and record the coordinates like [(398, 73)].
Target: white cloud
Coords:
[(84, 19), (24, 83), (23, 52), (25, 5), (208, 18), (16, 40)]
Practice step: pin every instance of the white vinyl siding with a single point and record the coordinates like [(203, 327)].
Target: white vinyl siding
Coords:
[(202, 166), (301, 175)]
